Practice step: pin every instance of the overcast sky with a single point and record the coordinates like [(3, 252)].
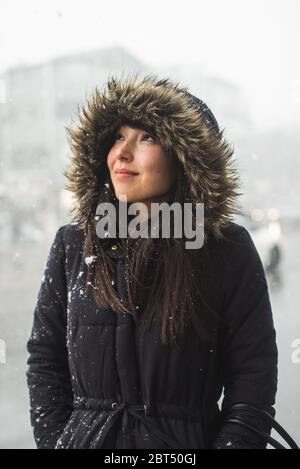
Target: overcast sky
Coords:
[(254, 43)]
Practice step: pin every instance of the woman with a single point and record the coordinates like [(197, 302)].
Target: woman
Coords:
[(134, 339)]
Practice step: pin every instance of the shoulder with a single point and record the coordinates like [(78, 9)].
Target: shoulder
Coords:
[(234, 237), (70, 233), (234, 233), (235, 250), (69, 239)]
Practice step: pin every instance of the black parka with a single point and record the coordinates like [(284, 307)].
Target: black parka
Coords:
[(94, 381)]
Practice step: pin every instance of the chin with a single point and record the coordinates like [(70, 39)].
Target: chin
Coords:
[(130, 199)]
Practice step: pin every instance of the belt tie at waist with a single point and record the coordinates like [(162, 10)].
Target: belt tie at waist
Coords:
[(138, 411)]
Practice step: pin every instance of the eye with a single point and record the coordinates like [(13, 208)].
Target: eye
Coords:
[(149, 135), (118, 135)]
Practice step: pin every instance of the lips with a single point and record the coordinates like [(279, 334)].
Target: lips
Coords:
[(125, 171)]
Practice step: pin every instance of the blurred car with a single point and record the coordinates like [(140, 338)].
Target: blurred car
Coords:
[(266, 234)]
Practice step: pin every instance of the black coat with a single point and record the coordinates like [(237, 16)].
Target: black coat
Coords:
[(95, 384), (94, 381)]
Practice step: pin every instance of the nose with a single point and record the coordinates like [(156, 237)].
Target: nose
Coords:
[(123, 152)]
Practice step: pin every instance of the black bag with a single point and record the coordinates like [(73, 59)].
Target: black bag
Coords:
[(230, 416)]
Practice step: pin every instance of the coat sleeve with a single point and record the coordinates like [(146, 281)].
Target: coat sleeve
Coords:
[(249, 353), (48, 374)]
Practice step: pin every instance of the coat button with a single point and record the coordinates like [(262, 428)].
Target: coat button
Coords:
[(114, 247), (114, 405)]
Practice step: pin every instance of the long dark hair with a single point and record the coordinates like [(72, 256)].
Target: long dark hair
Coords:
[(161, 275)]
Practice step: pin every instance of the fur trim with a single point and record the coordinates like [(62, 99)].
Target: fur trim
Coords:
[(179, 124)]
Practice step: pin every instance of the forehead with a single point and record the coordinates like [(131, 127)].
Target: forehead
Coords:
[(129, 129), (128, 125)]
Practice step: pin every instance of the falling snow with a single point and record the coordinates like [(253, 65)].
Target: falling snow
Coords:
[(89, 260)]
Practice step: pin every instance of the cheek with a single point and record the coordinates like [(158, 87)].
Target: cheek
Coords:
[(155, 166), (157, 178), (161, 170), (109, 160)]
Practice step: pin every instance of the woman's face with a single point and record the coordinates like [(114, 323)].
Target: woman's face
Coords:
[(138, 151)]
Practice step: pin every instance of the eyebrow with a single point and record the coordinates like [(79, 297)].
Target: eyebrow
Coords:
[(143, 131)]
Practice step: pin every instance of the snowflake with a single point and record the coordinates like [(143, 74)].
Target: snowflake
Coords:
[(90, 259)]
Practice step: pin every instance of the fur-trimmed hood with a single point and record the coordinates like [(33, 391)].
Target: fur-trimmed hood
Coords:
[(181, 122)]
